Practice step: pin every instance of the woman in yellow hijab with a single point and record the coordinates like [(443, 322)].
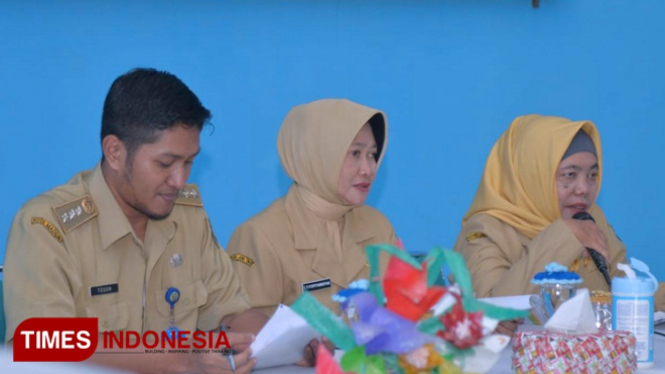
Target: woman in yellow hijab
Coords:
[(314, 237), (541, 172)]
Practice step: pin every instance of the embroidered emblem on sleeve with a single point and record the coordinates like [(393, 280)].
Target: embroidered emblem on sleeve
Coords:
[(242, 258), (49, 227), (474, 236)]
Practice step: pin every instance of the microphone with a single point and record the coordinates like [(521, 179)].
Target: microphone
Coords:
[(597, 258)]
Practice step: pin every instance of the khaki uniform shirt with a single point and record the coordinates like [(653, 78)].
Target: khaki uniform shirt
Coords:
[(502, 261), (281, 248), (65, 244)]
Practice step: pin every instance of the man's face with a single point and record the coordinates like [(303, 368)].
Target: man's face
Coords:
[(152, 179)]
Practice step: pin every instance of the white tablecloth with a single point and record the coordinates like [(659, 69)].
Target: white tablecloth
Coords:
[(7, 365)]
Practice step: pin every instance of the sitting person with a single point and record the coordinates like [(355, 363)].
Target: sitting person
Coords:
[(314, 238), (114, 241), (539, 174)]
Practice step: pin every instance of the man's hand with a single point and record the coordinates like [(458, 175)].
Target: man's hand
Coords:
[(508, 327), (309, 356), (205, 363), (590, 235)]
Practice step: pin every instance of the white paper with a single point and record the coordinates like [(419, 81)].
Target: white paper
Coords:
[(486, 354), (513, 302), (574, 316), (447, 301), (282, 339)]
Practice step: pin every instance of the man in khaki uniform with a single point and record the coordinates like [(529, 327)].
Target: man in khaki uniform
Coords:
[(112, 241), (104, 263), (314, 238)]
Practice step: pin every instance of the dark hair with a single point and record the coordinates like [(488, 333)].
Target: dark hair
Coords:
[(378, 125), (143, 102)]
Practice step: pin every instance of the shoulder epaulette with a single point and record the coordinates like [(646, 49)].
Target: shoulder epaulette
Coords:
[(74, 213), (189, 195)]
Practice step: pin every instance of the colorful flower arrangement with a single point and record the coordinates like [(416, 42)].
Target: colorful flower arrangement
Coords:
[(406, 323)]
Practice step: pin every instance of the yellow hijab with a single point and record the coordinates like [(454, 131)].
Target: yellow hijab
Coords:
[(312, 145), (518, 185)]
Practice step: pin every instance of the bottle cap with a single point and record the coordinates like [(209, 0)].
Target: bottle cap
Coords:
[(633, 283), (637, 285)]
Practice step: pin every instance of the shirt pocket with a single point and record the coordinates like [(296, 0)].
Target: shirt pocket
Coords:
[(110, 317), (192, 296)]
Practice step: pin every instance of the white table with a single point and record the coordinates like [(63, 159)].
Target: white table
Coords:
[(504, 366), (7, 365)]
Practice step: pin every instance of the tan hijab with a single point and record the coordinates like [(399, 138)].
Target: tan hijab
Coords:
[(312, 145), (518, 185)]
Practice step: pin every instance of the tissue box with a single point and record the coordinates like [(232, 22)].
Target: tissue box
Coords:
[(558, 353)]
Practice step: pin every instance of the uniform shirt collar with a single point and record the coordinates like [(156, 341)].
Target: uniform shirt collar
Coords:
[(306, 229), (113, 224)]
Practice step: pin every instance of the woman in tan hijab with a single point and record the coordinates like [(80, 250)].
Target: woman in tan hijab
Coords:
[(314, 237), (540, 173)]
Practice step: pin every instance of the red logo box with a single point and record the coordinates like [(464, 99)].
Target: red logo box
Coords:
[(55, 339)]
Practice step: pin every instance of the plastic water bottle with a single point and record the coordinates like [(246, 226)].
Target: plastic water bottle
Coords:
[(632, 308)]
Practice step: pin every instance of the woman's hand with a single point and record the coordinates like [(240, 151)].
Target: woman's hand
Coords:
[(590, 235), (508, 327), (309, 357)]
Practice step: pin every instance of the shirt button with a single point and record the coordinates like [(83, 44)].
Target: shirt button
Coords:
[(105, 324), (185, 302)]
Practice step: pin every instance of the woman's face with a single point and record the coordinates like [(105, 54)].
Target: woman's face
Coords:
[(359, 168), (577, 183)]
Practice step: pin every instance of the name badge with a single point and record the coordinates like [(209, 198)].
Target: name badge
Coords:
[(103, 290), (317, 285)]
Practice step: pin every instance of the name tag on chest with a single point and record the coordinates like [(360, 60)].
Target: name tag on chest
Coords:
[(103, 290), (317, 285)]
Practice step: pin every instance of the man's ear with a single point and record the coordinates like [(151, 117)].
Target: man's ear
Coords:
[(115, 152)]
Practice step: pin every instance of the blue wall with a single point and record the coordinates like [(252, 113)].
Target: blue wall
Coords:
[(451, 75)]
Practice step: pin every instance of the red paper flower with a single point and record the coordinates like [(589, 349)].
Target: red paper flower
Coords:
[(406, 289), (463, 329), (325, 362)]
